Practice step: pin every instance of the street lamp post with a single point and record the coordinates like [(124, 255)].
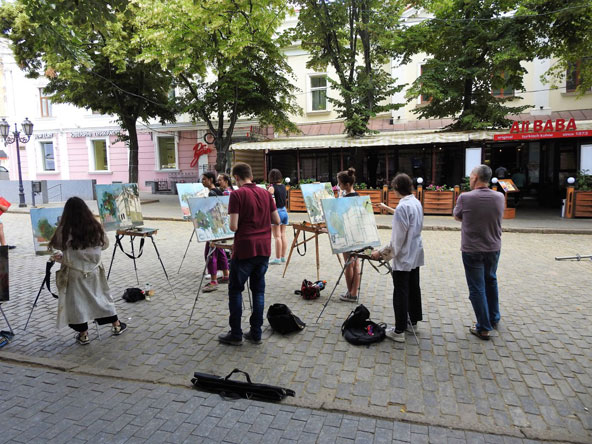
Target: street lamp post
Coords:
[(27, 128)]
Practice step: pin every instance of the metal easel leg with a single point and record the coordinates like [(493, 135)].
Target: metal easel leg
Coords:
[(412, 329), (210, 252), (117, 239), (164, 269), (34, 303), (186, 249), (97, 327), (6, 319), (334, 288), (134, 258), (360, 283)]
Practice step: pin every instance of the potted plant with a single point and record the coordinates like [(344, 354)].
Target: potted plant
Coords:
[(438, 199), (583, 194), (375, 195)]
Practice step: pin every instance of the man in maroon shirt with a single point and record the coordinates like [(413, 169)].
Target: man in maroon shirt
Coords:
[(252, 211)]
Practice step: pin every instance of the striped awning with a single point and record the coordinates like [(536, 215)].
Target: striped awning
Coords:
[(382, 139)]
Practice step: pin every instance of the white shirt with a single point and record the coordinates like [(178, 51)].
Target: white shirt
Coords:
[(406, 236)]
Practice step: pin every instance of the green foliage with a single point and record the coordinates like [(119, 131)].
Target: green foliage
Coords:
[(46, 229), (360, 186), (465, 184), (583, 181), (89, 60), (566, 33), (226, 61), (473, 49), (356, 38), (444, 187)]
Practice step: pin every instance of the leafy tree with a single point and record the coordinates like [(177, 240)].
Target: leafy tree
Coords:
[(474, 47), (565, 30), (356, 38), (226, 60), (84, 50)]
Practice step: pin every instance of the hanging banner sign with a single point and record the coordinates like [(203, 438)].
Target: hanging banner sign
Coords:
[(550, 129)]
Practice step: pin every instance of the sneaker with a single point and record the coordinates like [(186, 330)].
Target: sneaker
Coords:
[(119, 329), (223, 280), (394, 335), (212, 286), (275, 262), (481, 334), (82, 339), (283, 259), (348, 298), (249, 337), (228, 339)]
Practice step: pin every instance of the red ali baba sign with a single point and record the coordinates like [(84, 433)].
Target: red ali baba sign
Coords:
[(199, 149), (550, 129)]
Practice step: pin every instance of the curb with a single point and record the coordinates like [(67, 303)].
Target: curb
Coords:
[(325, 406)]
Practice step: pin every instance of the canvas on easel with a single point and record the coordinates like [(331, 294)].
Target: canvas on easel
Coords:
[(119, 206), (187, 191), (210, 218), (313, 194), (351, 223), (44, 222)]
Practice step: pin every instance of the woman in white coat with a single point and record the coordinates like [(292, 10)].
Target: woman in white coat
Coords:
[(82, 286), (406, 250)]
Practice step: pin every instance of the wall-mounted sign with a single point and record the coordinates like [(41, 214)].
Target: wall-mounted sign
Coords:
[(95, 133), (199, 149), (549, 129), (44, 135)]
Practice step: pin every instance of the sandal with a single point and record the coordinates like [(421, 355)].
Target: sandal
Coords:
[(223, 280), (210, 287), (480, 334), (82, 339)]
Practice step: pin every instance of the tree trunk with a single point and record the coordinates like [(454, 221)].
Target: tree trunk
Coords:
[(222, 146), (130, 125)]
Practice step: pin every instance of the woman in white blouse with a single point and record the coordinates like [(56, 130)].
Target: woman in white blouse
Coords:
[(406, 251)]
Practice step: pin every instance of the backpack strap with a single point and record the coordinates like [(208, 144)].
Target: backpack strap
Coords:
[(304, 243), (131, 256)]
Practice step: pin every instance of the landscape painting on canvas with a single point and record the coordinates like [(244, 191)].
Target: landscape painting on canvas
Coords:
[(187, 191), (351, 223), (119, 206), (313, 193), (210, 218), (44, 222)]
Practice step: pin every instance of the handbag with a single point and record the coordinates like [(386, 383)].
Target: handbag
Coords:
[(227, 387)]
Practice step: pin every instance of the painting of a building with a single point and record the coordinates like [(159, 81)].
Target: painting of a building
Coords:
[(210, 218), (351, 224), (119, 206), (313, 193)]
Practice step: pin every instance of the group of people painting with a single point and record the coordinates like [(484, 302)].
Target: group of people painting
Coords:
[(256, 212)]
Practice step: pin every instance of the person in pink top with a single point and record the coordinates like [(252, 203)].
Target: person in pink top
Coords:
[(252, 211)]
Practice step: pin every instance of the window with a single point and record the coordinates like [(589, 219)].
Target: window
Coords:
[(47, 156), (573, 76), (167, 153), (503, 91), (45, 102), (99, 155), (318, 93)]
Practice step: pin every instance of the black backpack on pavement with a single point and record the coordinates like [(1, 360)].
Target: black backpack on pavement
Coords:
[(282, 320), (358, 329)]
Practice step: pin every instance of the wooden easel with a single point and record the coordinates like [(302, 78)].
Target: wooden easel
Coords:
[(133, 233), (306, 227)]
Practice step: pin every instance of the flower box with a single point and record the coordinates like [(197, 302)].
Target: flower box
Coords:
[(296, 201), (583, 203), (438, 202), (392, 200)]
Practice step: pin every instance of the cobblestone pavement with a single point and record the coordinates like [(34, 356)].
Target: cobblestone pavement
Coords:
[(533, 380), (42, 406)]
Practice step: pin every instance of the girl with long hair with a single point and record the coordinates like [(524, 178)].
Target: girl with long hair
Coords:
[(83, 291), (346, 181), (279, 193)]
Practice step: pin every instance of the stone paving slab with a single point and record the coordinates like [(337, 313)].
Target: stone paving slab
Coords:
[(534, 379), (41, 405)]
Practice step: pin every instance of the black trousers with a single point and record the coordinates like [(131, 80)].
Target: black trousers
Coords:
[(406, 298), (101, 321)]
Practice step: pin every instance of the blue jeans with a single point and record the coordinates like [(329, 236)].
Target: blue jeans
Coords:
[(480, 270), (253, 269)]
